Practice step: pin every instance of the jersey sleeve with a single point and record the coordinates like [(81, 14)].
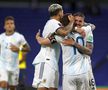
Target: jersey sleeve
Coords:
[(90, 37), (50, 30), (23, 41), (89, 34), (59, 25), (51, 27)]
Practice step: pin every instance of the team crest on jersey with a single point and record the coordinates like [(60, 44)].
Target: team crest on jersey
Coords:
[(44, 81), (16, 79), (13, 39)]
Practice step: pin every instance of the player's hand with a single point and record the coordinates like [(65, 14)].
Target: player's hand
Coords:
[(81, 32), (68, 42), (14, 48), (71, 18), (37, 35)]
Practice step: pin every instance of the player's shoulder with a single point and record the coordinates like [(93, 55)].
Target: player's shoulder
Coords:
[(87, 29), (53, 21), (18, 34), (2, 34)]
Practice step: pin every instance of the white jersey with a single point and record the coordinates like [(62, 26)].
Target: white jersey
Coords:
[(49, 54), (8, 58), (89, 34), (88, 38), (74, 62)]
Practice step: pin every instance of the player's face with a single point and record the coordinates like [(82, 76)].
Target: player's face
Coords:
[(61, 14), (9, 25), (79, 21)]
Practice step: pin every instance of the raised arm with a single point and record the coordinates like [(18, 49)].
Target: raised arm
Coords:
[(63, 31), (81, 31), (41, 40)]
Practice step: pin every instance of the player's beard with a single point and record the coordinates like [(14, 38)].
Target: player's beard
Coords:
[(10, 32)]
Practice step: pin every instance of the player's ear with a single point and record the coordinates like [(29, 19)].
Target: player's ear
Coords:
[(59, 15)]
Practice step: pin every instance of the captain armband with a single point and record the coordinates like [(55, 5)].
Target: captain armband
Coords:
[(52, 38)]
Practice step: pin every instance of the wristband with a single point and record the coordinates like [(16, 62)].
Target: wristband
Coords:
[(21, 47)]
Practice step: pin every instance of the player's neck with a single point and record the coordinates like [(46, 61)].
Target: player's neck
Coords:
[(8, 33), (56, 18)]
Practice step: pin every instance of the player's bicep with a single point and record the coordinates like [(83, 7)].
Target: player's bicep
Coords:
[(61, 31)]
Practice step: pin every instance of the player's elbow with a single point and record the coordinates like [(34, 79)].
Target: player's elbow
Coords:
[(29, 49), (89, 52), (93, 27), (62, 31), (40, 42), (65, 33)]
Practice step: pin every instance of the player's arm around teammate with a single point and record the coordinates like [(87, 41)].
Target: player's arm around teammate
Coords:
[(84, 31), (63, 31), (85, 50)]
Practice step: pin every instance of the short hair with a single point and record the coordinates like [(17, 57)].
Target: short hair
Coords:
[(80, 14), (9, 18), (54, 9), (65, 20)]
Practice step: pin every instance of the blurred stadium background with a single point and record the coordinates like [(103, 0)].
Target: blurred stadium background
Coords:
[(31, 15)]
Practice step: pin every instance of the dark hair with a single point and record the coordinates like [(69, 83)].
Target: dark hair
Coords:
[(9, 18), (80, 14), (64, 20), (55, 12)]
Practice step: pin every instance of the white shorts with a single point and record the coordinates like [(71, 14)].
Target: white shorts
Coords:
[(75, 82), (45, 76), (11, 77), (92, 84)]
